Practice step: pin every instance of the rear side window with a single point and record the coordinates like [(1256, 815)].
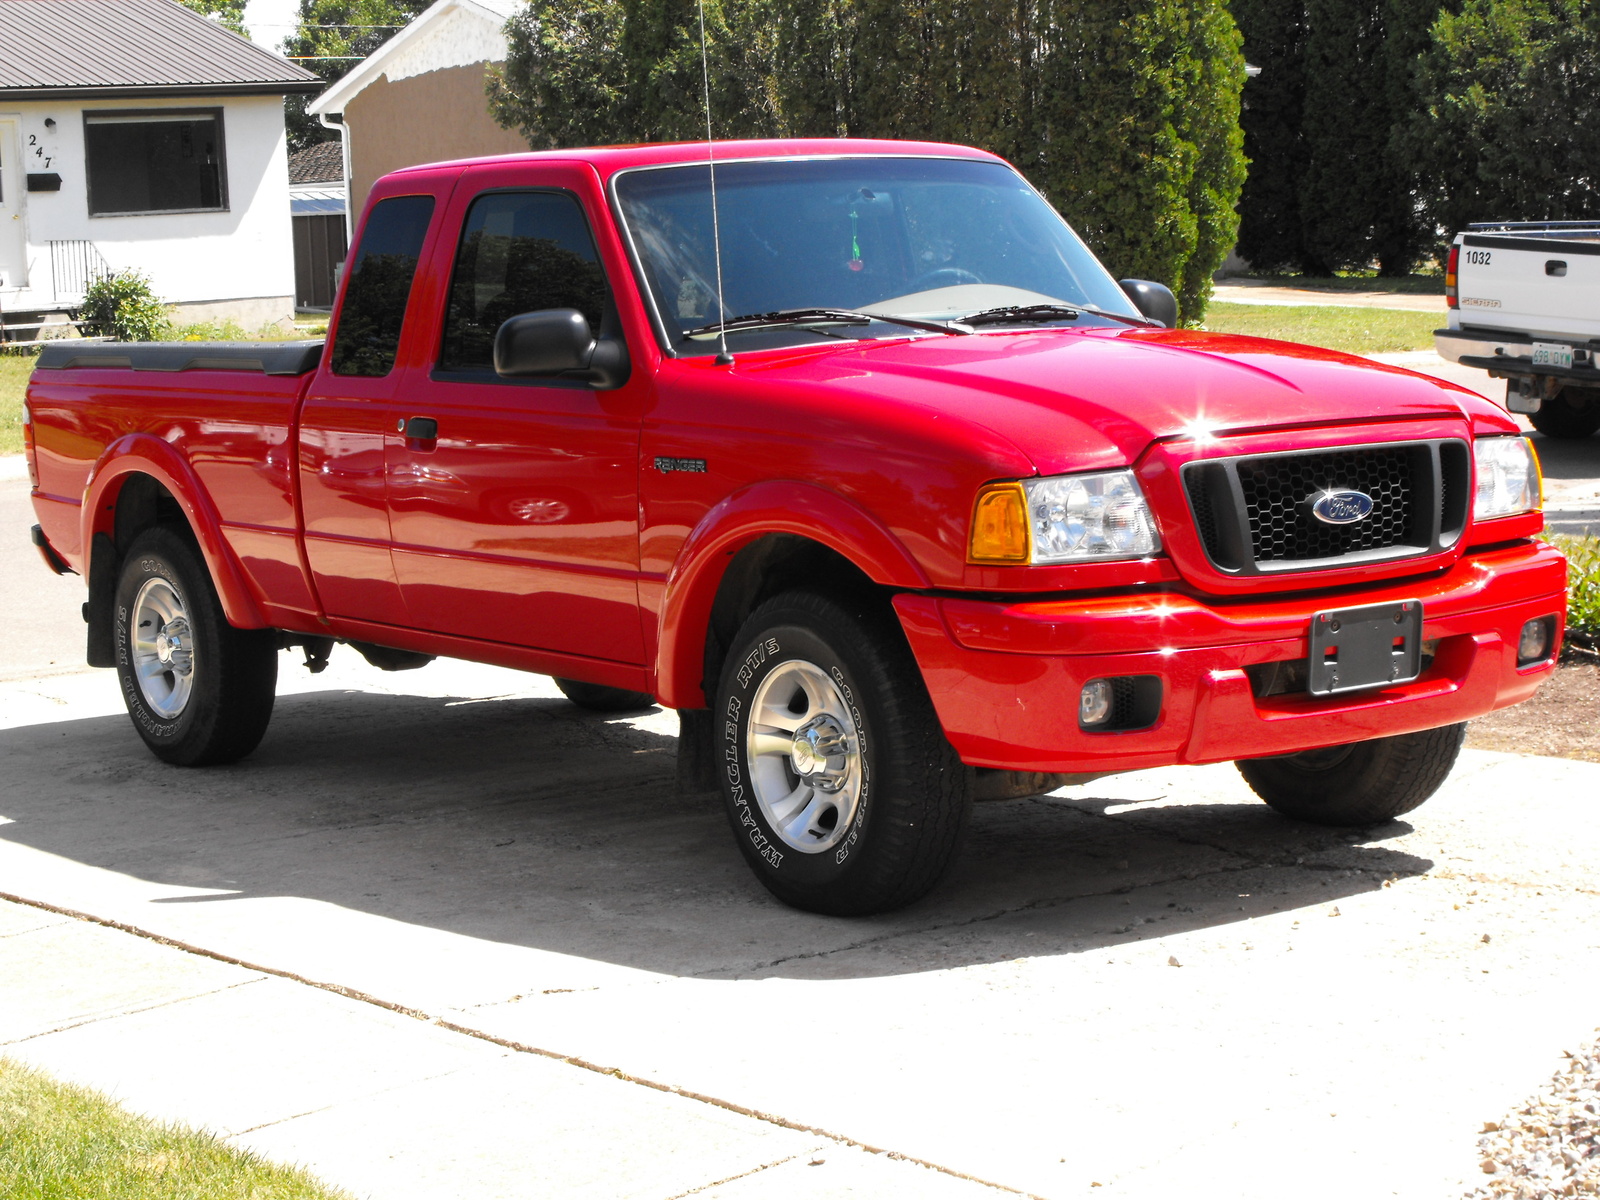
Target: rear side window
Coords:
[(380, 284), (519, 252)]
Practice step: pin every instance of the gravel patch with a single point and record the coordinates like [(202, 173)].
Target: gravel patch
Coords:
[(1550, 1146)]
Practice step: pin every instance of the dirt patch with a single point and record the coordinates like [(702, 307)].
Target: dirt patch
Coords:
[(1561, 721)]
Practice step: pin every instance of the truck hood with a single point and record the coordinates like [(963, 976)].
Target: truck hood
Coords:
[(1074, 400)]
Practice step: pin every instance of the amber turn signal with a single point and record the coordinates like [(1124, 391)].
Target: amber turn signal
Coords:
[(999, 525)]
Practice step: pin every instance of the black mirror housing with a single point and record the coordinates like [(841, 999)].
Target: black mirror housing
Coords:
[(548, 342), (1154, 300)]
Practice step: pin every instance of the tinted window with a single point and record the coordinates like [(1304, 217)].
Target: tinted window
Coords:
[(155, 162), (901, 236), (380, 284), (520, 252)]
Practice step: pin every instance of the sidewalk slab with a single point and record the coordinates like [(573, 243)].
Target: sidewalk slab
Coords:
[(380, 1103), (1241, 291)]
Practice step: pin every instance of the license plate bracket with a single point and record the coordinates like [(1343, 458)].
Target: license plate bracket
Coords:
[(1376, 645), (1552, 354)]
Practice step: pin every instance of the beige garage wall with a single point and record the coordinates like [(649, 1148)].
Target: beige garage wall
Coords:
[(424, 118)]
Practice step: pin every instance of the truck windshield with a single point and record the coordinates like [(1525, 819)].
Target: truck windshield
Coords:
[(930, 239)]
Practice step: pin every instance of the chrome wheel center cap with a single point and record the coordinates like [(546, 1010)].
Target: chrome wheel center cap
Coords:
[(821, 753), (173, 648)]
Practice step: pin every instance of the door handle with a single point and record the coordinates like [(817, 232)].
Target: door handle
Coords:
[(418, 429)]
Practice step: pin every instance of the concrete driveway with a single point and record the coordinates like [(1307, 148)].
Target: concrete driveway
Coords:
[(1150, 987)]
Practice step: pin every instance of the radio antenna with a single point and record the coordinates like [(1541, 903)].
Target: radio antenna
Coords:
[(724, 359)]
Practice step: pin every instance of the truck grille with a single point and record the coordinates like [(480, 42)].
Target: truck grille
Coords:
[(1253, 514)]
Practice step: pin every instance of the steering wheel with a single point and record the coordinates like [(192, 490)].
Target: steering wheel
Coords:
[(942, 277)]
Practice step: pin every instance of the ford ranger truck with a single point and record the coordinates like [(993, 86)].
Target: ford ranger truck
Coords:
[(871, 471), (1524, 303)]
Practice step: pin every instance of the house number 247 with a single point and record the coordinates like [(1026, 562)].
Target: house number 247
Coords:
[(38, 150)]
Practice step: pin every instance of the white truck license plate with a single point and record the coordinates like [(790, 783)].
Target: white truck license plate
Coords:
[(1552, 354)]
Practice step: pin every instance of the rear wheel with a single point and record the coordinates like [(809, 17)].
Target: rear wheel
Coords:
[(598, 698), (1363, 783), (1572, 412), (199, 691), (843, 792)]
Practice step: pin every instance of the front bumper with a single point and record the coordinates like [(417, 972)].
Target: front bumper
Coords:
[(1005, 677)]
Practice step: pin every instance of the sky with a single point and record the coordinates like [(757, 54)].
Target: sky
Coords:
[(270, 21)]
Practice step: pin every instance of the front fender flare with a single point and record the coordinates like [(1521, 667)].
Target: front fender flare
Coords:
[(145, 454), (777, 506)]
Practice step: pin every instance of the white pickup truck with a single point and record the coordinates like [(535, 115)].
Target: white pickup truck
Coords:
[(1524, 303)]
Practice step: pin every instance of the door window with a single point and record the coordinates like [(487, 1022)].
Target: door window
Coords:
[(520, 252), (374, 308)]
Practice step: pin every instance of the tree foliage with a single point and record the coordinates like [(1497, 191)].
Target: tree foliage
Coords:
[(1508, 121), (1123, 112), (227, 13), (331, 39), (1332, 184)]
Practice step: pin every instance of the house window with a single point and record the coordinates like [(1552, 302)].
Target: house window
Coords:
[(164, 160)]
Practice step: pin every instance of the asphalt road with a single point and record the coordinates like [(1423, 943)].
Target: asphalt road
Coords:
[(1152, 983)]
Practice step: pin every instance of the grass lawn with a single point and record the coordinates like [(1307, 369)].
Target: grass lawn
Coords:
[(1423, 285), (14, 372), (60, 1142), (1357, 330)]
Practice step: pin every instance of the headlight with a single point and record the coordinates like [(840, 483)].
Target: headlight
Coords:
[(1063, 518), (1508, 477)]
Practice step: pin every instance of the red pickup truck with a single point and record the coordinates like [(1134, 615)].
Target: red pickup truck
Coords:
[(849, 451)]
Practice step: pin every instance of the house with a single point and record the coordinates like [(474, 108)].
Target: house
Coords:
[(317, 204), (137, 134), (420, 97)]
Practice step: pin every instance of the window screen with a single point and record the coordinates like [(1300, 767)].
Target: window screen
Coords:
[(155, 162), (374, 306), (520, 252)]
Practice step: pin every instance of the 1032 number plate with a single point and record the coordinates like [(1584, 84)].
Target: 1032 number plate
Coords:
[(1373, 646)]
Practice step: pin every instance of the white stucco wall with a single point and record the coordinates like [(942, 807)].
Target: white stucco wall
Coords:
[(243, 254)]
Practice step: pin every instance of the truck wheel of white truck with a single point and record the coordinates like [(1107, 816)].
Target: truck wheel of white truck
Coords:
[(844, 794), (1363, 783), (1573, 412), (199, 691)]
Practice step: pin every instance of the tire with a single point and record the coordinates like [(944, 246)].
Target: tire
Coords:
[(199, 691), (1570, 414), (1363, 783), (845, 708), (599, 698)]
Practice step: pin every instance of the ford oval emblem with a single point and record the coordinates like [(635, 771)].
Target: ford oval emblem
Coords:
[(1344, 507)]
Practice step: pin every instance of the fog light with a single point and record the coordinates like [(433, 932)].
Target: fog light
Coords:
[(1534, 644), (1094, 703)]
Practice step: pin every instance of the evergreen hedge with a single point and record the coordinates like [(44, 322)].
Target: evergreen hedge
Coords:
[(1125, 113), (1507, 123)]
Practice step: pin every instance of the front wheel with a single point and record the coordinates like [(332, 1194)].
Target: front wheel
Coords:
[(843, 792), (199, 691), (1363, 783)]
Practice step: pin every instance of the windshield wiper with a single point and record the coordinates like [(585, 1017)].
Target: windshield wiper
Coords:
[(1022, 313), (818, 316)]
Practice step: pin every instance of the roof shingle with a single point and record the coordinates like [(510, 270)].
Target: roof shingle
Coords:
[(321, 163), (51, 48)]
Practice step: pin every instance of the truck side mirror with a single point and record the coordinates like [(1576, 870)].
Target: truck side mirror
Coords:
[(1154, 300), (547, 342)]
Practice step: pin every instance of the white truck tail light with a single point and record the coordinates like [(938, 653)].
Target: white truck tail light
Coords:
[(1451, 291)]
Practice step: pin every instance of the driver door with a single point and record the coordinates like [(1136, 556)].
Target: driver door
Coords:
[(517, 520)]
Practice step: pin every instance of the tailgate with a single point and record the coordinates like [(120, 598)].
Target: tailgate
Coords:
[(1529, 285)]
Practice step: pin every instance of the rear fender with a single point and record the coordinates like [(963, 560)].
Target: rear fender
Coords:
[(144, 454), (754, 512)]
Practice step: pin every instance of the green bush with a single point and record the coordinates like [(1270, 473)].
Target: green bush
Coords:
[(1507, 124), (1583, 588), (1125, 113), (122, 306)]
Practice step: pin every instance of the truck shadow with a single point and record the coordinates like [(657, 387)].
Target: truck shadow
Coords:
[(529, 823)]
